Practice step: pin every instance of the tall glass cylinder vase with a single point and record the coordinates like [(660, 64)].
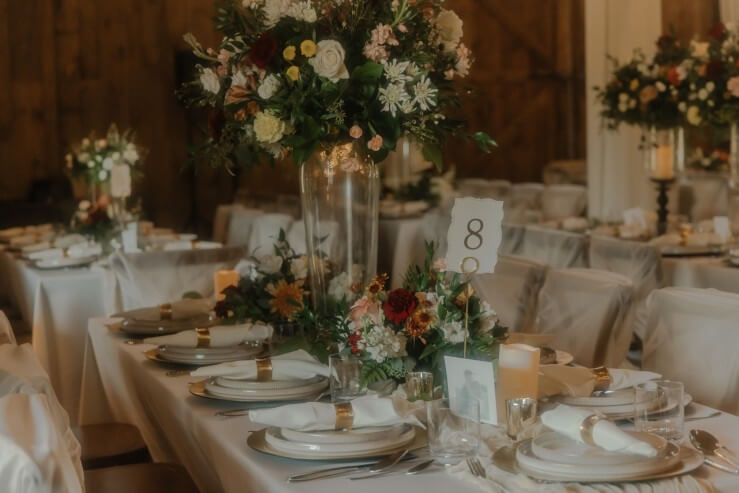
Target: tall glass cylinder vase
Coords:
[(98, 189), (664, 152), (340, 188), (734, 177)]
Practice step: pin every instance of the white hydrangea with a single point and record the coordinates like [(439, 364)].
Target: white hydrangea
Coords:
[(274, 10), (382, 343), (108, 163), (454, 331), (302, 11), (269, 86), (338, 287)]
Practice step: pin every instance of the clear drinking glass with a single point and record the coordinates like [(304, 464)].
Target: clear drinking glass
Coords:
[(345, 377), (419, 385), (666, 397), (453, 432)]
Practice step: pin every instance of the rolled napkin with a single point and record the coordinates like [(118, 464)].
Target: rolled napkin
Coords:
[(318, 416), (581, 382), (177, 310), (296, 365), (578, 424), (84, 250), (219, 336)]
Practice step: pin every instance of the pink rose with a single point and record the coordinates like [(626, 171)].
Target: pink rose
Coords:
[(355, 131), (733, 86), (365, 306), (375, 143)]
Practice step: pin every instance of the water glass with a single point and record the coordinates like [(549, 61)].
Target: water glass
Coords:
[(453, 431), (419, 385), (520, 416), (659, 395), (345, 377)]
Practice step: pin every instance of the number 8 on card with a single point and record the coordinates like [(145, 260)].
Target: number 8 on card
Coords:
[(474, 235)]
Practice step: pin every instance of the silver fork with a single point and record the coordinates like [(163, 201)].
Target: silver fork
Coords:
[(476, 468)]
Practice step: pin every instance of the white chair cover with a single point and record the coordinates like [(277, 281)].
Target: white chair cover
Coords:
[(640, 262), (512, 291), (6, 331), (221, 220), (527, 194), (692, 336), (590, 314), (710, 196), (265, 229), (32, 418), (512, 241), (562, 201), (240, 225), (296, 237), (553, 247), (152, 278)]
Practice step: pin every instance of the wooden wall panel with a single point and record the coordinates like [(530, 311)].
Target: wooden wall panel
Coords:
[(689, 18)]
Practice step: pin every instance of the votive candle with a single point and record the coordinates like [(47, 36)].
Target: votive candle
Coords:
[(518, 375), (223, 279)]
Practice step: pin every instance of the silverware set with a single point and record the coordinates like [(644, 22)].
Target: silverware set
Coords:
[(473, 464), (374, 468), (716, 454)]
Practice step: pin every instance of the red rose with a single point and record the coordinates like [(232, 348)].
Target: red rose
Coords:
[(673, 76), (718, 31), (263, 50), (399, 305)]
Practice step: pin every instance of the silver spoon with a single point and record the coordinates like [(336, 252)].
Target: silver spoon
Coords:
[(709, 445)]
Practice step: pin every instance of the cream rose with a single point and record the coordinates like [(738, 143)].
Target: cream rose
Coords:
[(449, 26), (694, 115), (329, 61), (269, 86), (268, 128)]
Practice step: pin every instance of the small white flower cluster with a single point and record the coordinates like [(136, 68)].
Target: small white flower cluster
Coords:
[(406, 90), (100, 156)]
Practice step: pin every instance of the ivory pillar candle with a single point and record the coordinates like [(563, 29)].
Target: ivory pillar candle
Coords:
[(518, 375), (664, 166), (223, 279)]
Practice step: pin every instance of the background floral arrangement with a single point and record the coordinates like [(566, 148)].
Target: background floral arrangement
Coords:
[(394, 331), (94, 220), (714, 161), (292, 75), (94, 158)]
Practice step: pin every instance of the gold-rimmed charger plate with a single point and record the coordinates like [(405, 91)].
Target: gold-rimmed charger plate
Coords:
[(153, 355), (198, 389), (505, 458), (256, 441)]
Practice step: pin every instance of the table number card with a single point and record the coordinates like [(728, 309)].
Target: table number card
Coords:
[(635, 217), (120, 181), (474, 235), (722, 228)]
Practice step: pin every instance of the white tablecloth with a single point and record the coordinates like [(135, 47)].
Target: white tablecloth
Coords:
[(180, 427), (700, 272)]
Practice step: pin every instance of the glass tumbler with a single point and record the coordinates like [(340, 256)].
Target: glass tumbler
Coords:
[(345, 377), (658, 408), (453, 432)]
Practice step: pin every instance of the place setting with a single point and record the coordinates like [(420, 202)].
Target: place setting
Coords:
[(167, 318)]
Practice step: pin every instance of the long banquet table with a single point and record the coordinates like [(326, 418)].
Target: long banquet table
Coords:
[(179, 427)]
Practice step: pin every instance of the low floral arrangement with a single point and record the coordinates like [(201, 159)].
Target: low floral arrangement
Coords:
[(716, 161), (94, 159), (292, 76), (94, 220), (416, 325)]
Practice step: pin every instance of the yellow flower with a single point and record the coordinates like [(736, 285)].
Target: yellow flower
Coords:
[(289, 53), (287, 299), (308, 48), (293, 73), (634, 84)]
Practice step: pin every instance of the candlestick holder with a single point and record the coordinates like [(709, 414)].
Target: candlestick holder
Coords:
[(663, 186)]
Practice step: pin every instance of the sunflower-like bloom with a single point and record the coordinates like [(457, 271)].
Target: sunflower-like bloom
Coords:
[(287, 298), (377, 285), (417, 325)]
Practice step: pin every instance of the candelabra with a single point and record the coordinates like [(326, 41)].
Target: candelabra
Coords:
[(663, 186)]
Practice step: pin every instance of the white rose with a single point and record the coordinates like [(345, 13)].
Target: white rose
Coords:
[(108, 163), (329, 60), (131, 155), (299, 267), (269, 86), (209, 80), (694, 116), (102, 175), (268, 128), (449, 26), (270, 264)]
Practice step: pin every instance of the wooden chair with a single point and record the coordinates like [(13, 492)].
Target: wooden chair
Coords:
[(139, 478), (111, 444)]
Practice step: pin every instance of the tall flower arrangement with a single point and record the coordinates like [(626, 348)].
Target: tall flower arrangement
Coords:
[(94, 158), (290, 76)]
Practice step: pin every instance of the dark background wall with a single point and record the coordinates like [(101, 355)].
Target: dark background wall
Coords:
[(71, 66)]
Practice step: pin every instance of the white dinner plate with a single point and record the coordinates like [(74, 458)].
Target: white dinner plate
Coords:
[(268, 385), (530, 463), (198, 389), (555, 447), (309, 388), (367, 434), (164, 327), (623, 397), (204, 352), (563, 358), (154, 355), (63, 262), (256, 441), (627, 411), (275, 438)]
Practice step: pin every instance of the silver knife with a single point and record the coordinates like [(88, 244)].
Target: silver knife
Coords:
[(378, 466)]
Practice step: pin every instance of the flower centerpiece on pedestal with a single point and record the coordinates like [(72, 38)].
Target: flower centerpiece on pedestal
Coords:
[(94, 220), (434, 314)]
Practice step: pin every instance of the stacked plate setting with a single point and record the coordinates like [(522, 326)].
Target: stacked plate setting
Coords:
[(239, 390), (336, 445), (163, 327), (203, 356), (555, 457), (619, 404)]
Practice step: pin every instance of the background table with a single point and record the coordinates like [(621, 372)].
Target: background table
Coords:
[(181, 428)]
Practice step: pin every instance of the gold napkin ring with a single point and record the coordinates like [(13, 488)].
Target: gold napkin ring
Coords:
[(586, 428), (165, 311), (602, 378), (344, 415), (264, 369), (203, 337)]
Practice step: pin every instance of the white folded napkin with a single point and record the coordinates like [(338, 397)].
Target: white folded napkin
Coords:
[(84, 250), (182, 309), (580, 382), (220, 336), (296, 365), (177, 245), (47, 254), (606, 435), (318, 416)]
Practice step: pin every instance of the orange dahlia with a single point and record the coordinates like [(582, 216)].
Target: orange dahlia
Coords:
[(417, 325), (287, 298), (377, 284)]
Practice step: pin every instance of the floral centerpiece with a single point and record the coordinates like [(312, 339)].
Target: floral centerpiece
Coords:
[(94, 159), (434, 314), (291, 76), (94, 219)]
